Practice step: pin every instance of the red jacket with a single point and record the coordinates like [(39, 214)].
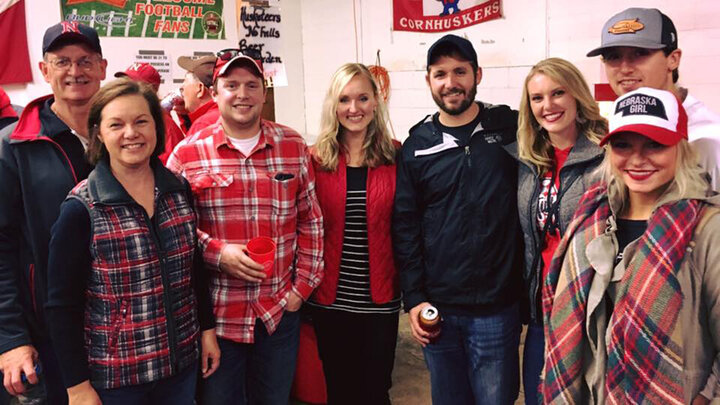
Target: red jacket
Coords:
[(173, 136), (331, 189), (206, 115)]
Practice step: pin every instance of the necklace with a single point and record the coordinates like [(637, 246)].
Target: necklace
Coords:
[(67, 122)]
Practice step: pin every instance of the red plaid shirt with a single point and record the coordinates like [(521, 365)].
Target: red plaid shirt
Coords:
[(269, 193)]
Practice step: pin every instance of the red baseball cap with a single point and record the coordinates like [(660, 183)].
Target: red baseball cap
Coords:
[(142, 72), (229, 57), (6, 109)]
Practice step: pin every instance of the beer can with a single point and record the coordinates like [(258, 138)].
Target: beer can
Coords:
[(171, 100), (430, 319)]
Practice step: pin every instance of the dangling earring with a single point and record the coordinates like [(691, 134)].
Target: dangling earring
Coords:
[(580, 119)]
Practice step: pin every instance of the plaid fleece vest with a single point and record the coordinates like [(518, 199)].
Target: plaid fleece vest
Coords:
[(141, 314)]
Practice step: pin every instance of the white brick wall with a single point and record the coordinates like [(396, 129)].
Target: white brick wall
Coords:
[(530, 31), (320, 36)]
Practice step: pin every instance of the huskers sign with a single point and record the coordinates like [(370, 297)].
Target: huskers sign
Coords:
[(442, 15)]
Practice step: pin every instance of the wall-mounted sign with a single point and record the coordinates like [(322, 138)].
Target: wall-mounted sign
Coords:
[(193, 19), (442, 15), (260, 28)]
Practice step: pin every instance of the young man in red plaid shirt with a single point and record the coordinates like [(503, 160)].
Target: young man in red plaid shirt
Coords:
[(252, 177)]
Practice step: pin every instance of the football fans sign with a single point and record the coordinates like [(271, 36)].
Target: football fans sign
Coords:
[(442, 15), (186, 19)]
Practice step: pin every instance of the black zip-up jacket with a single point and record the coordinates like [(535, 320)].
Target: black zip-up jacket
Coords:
[(456, 235), (35, 177)]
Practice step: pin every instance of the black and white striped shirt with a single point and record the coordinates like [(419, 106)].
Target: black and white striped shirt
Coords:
[(353, 291)]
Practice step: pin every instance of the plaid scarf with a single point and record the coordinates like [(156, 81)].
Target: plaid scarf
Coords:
[(645, 355)]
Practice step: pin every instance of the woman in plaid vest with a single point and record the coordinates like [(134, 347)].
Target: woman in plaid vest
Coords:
[(128, 302), (632, 301)]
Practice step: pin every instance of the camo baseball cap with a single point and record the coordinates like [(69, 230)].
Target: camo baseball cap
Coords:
[(638, 27)]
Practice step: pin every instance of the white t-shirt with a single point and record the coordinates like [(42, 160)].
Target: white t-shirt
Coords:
[(245, 145), (704, 135), (84, 141)]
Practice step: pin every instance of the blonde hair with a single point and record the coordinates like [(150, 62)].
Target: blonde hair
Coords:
[(688, 175), (377, 149), (533, 144)]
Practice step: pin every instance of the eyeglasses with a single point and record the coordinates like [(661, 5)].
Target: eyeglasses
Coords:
[(227, 54), (87, 64)]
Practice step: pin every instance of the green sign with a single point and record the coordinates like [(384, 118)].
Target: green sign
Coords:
[(194, 19)]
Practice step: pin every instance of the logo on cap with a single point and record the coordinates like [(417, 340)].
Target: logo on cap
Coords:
[(641, 104), (135, 66), (70, 26), (626, 27)]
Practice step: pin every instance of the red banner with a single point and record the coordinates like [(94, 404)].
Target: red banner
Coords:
[(442, 15), (15, 60)]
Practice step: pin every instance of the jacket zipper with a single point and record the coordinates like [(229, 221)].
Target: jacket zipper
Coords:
[(169, 315), (32, 287), (536, 255), (75, 180), (116, 325)]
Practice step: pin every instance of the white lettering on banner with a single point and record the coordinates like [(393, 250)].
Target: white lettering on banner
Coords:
[(412, 15)]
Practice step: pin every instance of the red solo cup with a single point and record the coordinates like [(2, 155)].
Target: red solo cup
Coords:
[(262, 250)]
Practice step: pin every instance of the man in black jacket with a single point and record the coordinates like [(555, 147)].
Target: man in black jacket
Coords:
[(456, 234), (42, 157)]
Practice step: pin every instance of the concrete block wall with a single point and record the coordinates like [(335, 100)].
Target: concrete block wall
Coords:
[(530, 31), (321, 35)]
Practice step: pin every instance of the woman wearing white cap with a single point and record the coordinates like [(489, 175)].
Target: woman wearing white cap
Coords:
[(632, 300)]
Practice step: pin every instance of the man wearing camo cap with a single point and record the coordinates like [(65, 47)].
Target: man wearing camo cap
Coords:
[(639, 48)]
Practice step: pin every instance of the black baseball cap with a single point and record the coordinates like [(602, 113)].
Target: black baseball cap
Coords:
[(456, 43), (68, 32)]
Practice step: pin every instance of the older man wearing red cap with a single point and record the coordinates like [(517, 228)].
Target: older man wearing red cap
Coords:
[(251, 177), (42, 157), (145, 72)]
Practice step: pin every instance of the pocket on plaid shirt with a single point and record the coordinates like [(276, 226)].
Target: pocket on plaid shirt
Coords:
[(284, 193), (210, 180)]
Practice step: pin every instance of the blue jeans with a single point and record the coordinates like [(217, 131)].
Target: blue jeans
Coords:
[(256, 373), (475, 359), (533, 359), (176, 390)]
